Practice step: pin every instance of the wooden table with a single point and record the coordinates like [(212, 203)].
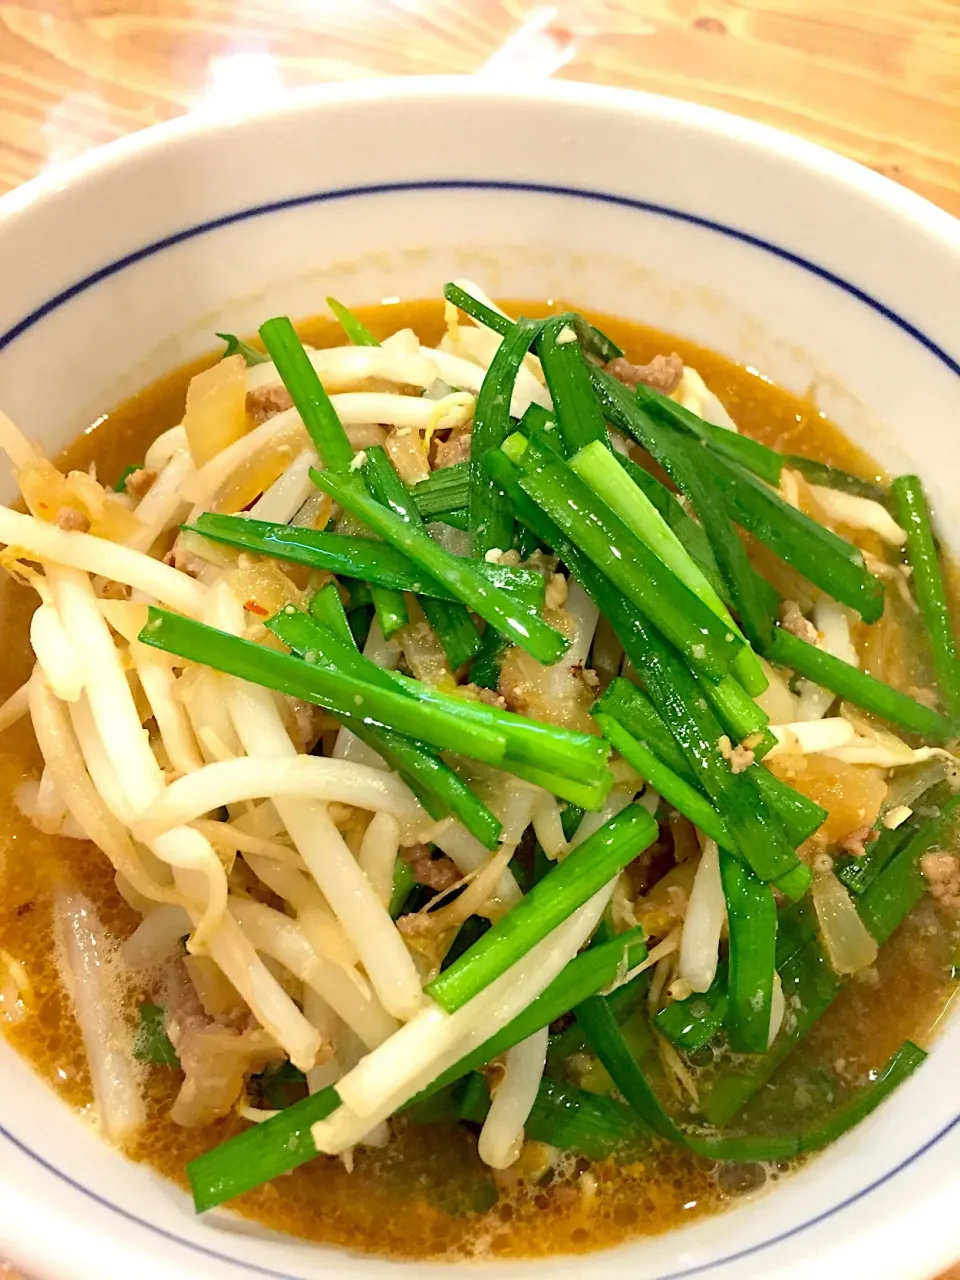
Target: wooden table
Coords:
[(878, 80)]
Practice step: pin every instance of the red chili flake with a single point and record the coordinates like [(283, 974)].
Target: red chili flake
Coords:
[(258, 609)]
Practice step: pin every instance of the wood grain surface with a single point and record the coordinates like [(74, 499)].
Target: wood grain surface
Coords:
[(878, 80)]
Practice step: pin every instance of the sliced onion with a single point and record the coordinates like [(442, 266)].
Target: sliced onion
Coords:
[(807, 737), (778, 1009), (849, 944), (832, 621), (777, 700), (84, 950), (694, 394), (706, 910), (155, 937), (859, 513)]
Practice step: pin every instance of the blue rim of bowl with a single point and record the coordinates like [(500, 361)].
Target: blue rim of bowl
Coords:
[(454, 184)]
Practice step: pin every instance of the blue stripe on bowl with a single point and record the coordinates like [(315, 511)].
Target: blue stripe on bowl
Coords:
[(603, 197), (470, 184)]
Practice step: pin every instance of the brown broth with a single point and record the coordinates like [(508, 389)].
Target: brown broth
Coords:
[(426, 1195)]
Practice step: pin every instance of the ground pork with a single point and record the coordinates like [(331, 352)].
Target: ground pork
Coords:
[(267, 402), (72, 520), (435, 873), (215, 1061), (855, 843), (739, 757), (456, 448), (140, 482), (663, 373), (489, 697), (926, 696), (792, 620), (942, 873), (185, 561), (556, 593)]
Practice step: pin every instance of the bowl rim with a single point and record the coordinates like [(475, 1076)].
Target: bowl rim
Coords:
[(932, 221)]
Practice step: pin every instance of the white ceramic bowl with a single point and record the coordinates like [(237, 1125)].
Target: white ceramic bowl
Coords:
[(769, 249)]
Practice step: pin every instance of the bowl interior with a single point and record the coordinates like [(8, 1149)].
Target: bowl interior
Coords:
[(796, 263)]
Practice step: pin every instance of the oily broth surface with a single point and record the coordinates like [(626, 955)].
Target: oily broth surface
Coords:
[(427, 1195)]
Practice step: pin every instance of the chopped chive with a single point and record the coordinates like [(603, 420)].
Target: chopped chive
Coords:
[(451, 622), (826, 559), (835, 566), (588, 795), (541, 746), (607, 1041), (690, 532), (810, 984), (568, 886), (537, 422), (353, 557), (471, 931), (611, 481), (334, 690), (752, 921), (685, 461), (402, 884), (534, 742), (436, 785), (306, 390), (391, 610), (152, 1044), (689, 718), (569, 1119), (282, 1143), (821, 1133), (326, 607), (858, 873), (750, 454), (591, 971), (834, 478), (360, 621), (261, 1153), (236, 346), (454, 628), (477, 310), (489, 510), (693, 1022), (633, 710), (462, 577), (570, 820), (444, 492), (900, 885), (707, 643), (913, 513), (758, 833), (739, 714), (577, 411), (859, 688), (686, 799), (355, 329), (800, 815), (493, 648), (593, 341), (359, 593)]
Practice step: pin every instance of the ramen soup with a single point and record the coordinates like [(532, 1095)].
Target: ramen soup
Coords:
[(498, 774)]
